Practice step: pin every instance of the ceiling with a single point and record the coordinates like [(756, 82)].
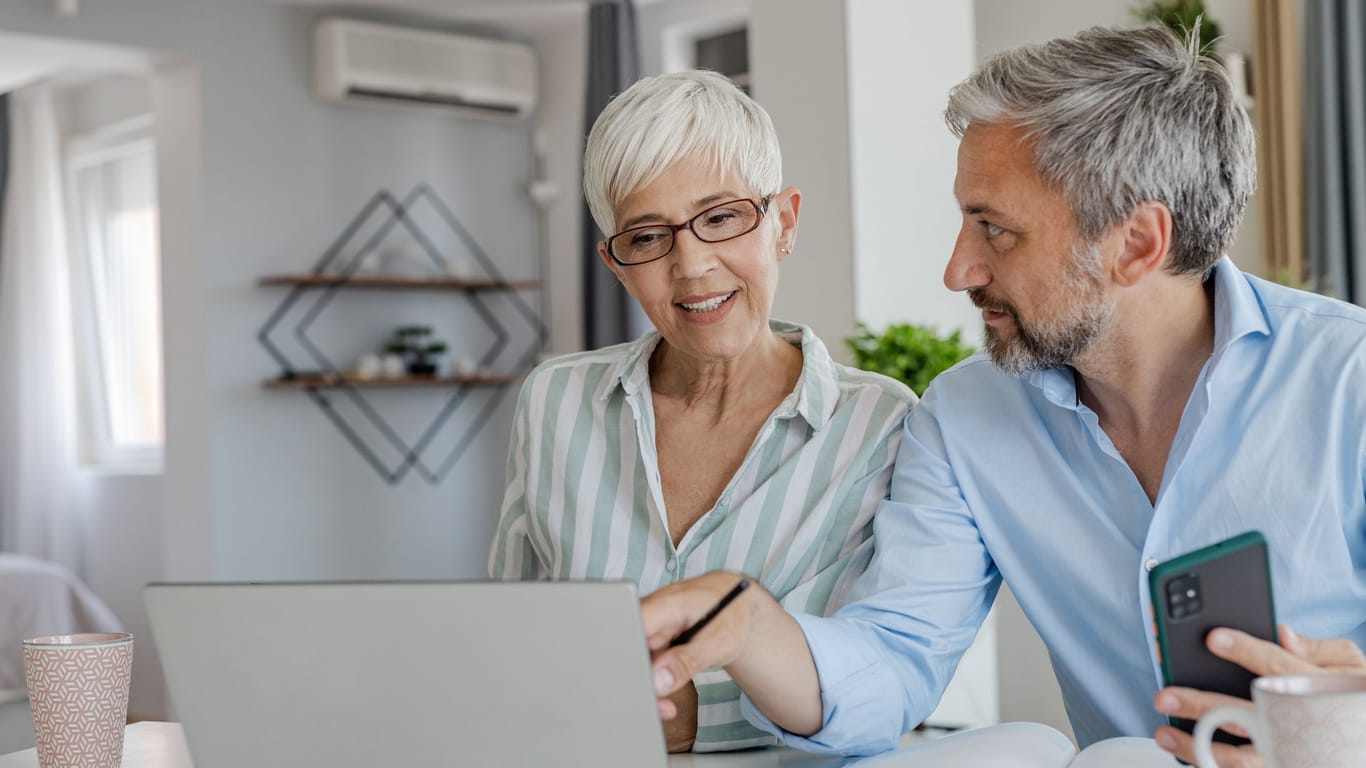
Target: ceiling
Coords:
[(25, 59)]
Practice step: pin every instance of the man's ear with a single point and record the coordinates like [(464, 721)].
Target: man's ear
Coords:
[(1147, 242), (788, 204)]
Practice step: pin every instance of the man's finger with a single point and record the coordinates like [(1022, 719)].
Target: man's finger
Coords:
[(667, 709), (673, 669), (1257, 656), (1190, 704), (1337, 653), (1180, 744)]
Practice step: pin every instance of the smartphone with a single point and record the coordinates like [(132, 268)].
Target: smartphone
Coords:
[(1227, 584)]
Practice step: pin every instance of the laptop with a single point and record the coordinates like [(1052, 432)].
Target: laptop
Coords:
[(347, 675)]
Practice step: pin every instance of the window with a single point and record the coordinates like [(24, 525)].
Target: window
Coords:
[(727, 53), (116, 259)]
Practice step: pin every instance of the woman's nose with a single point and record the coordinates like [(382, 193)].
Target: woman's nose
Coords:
[(692, 257)]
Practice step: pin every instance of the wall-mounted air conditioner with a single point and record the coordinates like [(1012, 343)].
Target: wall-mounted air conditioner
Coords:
[(355, 61)]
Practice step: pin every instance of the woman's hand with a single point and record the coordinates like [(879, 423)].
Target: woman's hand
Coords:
[(681, 731), (1296, 655)]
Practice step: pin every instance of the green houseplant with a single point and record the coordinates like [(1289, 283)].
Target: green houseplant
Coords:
[(412, 342), (913, 354), (1181, 16)]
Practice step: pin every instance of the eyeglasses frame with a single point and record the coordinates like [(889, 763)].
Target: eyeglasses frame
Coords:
[(760, 205)]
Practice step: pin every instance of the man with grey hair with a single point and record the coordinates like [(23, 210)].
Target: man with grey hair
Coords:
[(1139, 398)]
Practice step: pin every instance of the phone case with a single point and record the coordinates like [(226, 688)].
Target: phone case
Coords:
[(1227, 584)]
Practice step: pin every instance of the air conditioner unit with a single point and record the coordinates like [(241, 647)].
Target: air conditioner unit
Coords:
[(355, 61)]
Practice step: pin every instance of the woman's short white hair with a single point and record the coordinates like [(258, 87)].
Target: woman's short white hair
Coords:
[(660, 120), (1120, 117)]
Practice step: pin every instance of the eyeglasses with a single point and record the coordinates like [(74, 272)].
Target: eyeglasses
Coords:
[(717, 224)]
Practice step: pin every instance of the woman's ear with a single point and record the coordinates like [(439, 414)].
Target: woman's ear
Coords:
[(1147, 241), (607, 259), (788, 205)]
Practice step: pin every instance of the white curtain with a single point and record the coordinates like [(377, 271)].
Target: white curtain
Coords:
[(42, 490)]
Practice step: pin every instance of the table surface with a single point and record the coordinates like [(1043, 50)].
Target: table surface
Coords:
[(1011, 745)]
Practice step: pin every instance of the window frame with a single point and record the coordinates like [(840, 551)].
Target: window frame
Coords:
[(97, 450)]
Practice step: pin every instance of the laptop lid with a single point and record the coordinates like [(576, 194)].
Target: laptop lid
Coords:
[(367, 674)]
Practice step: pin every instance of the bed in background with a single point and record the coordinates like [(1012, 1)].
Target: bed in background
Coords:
[(37, 598)]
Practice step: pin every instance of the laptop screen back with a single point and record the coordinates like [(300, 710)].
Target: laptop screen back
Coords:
[(469, 674)]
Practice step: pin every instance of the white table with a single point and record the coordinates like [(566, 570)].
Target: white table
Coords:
[(1011, 745)]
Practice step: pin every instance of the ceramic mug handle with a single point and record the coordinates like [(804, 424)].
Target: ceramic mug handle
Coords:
[(1210, 722)]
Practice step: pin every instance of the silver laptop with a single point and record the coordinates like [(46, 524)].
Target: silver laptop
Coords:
[(416, 674)]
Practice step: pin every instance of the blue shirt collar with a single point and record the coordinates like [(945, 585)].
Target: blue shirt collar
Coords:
[(814, 398), (1238, 312)]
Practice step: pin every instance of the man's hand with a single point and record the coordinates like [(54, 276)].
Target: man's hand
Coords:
[(671, 610), (681, 731), (753, 639), (1296, 655)]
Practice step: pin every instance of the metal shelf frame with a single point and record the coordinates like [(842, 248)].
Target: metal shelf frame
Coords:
[(322, 380)]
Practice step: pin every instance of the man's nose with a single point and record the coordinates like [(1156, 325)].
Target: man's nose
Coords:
[(965, 270)]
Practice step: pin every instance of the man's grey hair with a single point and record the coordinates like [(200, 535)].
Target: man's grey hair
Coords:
[(1122, 117), (661, 120)]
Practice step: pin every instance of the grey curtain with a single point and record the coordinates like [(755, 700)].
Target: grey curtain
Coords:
[(608, 311), (4, 156), (1335, 136), (4, 179)]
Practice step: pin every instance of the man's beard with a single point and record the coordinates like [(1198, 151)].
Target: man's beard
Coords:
[(1081, 315)]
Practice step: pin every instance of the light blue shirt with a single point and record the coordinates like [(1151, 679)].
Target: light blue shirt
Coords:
[(1011, 477)]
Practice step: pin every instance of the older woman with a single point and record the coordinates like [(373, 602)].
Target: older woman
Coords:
[(723, 439)]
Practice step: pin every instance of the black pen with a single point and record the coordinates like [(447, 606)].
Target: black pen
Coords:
[(701, 624)]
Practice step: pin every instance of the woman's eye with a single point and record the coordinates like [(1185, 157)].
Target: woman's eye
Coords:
[(644, 238), (720, 217)]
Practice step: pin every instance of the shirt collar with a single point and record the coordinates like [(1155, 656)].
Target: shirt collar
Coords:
[(1238, 312), (814, 398)]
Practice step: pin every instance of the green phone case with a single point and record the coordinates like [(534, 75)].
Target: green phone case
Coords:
[(1227, 584)]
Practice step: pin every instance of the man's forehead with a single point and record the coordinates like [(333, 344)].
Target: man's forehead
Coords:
[(992, 157)]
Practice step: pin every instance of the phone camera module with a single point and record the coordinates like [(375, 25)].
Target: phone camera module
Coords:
[(1183, 596)]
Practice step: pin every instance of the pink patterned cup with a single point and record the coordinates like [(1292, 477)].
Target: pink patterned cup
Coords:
[(1297, 721), (78, 692)]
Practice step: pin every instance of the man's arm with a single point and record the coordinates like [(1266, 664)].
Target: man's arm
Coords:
[(886, 657), (1296, 655)]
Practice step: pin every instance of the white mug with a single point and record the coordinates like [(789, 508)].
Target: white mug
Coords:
[(1297, 721)]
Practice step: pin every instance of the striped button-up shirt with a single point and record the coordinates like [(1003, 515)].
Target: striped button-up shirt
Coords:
[(584, 499)]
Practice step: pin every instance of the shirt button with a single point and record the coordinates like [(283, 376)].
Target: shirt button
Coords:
[(1151, 564), (670, 564)]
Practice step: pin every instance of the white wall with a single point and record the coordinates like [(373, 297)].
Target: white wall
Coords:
[(799, 74), (258, 484), (903, 159)]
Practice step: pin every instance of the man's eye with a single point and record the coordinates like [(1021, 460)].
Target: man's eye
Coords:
[(992, 230)]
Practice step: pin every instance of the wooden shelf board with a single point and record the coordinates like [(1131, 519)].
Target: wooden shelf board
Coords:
[(418, 282), (337, 381)]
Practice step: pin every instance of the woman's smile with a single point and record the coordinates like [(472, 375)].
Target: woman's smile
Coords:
[(704, 309)]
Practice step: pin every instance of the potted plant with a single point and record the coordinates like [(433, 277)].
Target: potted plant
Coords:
[(1181, 16), (912, 354), (414, 345)]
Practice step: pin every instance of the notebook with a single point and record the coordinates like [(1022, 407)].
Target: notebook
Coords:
[(432, 674)]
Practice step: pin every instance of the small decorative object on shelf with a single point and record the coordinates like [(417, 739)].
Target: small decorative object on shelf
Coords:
[(410, 362), (411, 343), (369, 366)]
